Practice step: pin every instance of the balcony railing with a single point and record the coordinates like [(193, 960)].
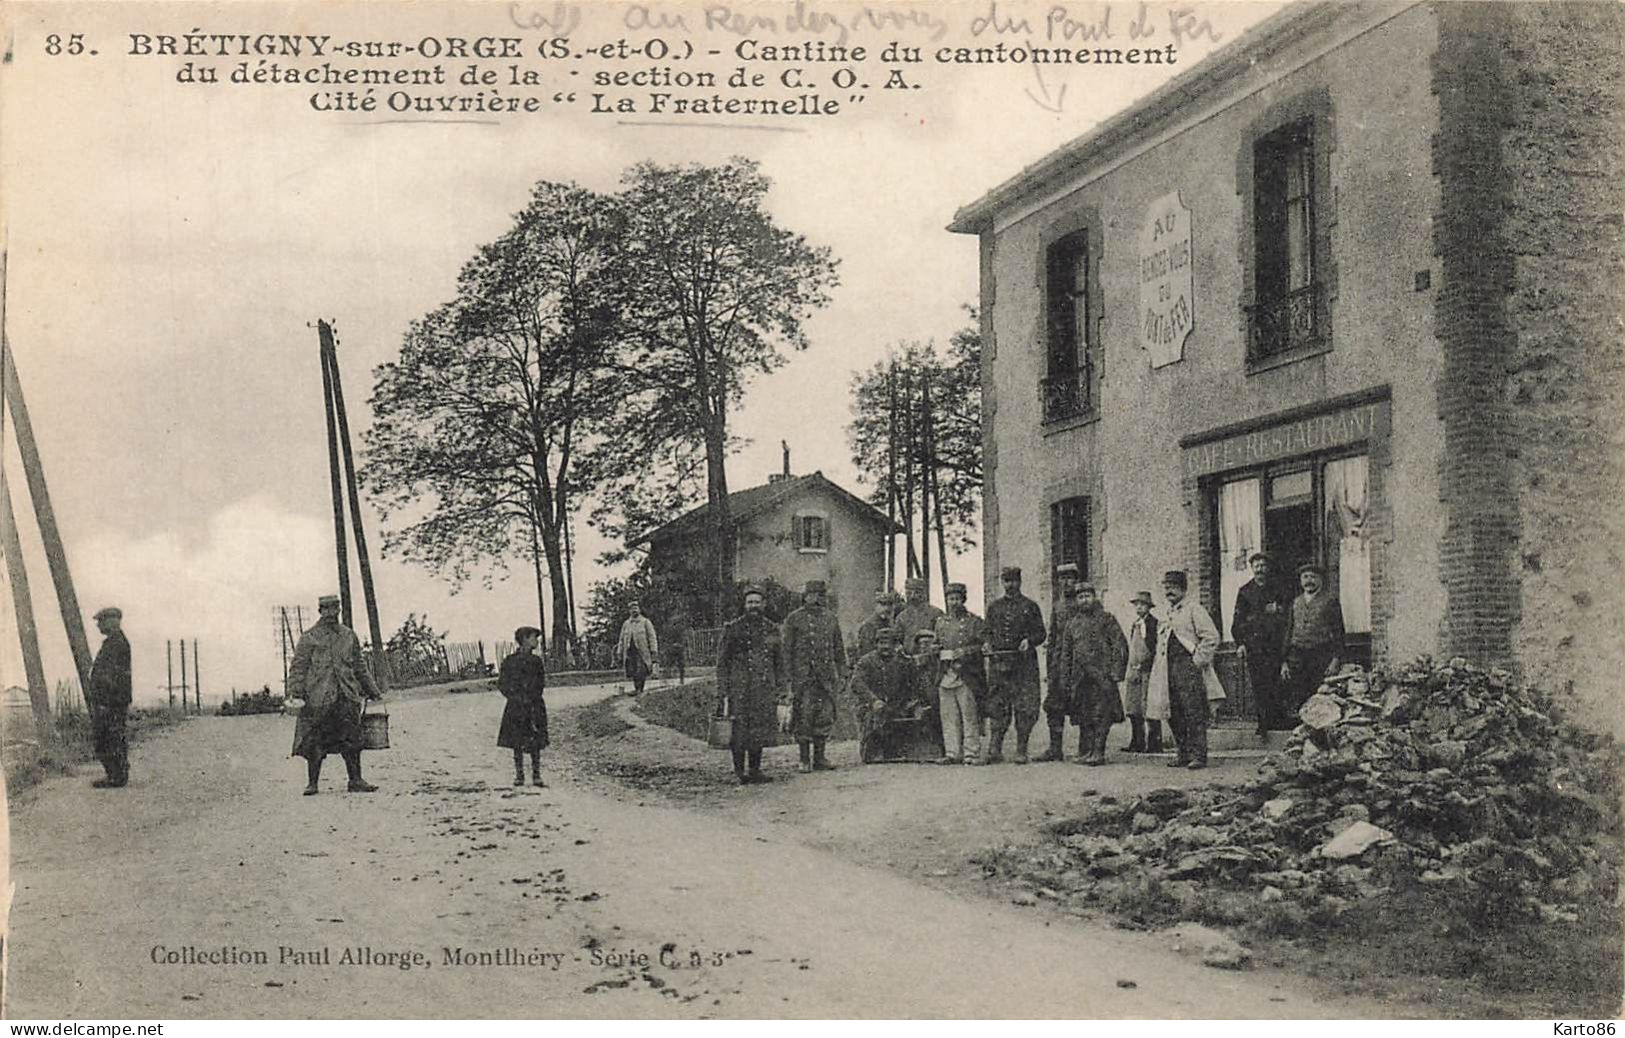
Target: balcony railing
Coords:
[(1066, 394), (1294, 322)]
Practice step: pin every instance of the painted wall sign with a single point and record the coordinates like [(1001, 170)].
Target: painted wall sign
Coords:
[(1167, 287), (1305, 436)]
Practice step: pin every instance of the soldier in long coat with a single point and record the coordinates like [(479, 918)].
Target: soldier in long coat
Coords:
[(523, 683), (330, 675), (1090, 661), (1057, 700), (750, 683), (1015, 629), (109, 700), (816, 655), (884, 689)]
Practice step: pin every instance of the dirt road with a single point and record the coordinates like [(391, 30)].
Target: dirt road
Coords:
[(488, 901)]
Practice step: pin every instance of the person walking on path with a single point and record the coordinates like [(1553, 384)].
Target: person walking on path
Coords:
[(523, 683), (816, 655), (1259, 626), (1015, 629), (1089, 663), (639, 648), (330, 675), (750, 683), (109, 700), (1182, 677), (1057, 703), (1314, 638), (961, 634), (1145, 732)]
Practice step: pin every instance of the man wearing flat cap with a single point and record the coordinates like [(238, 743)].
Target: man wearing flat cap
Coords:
[(329, 673), (1057, 702), (1314, 638), (917, 613), (109, 700), (815, 653), (962, 685), (1259, 625), (1015, 629)]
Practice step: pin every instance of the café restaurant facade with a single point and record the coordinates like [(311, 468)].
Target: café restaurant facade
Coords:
[(1269, 308)]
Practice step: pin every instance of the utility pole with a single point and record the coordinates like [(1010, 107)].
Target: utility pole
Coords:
[(39, 694), (936, 491), (330, 353), (169, 667), (184, 685), (197, 678), (925, 482), (891, 476)]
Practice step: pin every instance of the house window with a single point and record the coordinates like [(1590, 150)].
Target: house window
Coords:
[(1069, 533), (1068, 387), (811, 533), (1288, 312)]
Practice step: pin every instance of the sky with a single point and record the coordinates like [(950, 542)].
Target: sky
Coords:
[(171, 246)]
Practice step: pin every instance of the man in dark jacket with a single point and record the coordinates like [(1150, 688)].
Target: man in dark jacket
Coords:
[(815, 653), (109, 700), (1091, 660), (1314, 639), (885, 697), (1057, 702), (1259, 624), (1015, 629), (750, 682), (523, 682)]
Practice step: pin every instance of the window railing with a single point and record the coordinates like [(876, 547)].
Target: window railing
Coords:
[(1294, 322), (1066, 394)]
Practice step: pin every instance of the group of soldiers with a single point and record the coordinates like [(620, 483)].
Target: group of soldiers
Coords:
[(930, 677)]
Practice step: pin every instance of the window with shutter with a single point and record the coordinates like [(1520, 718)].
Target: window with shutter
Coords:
[(1069, 533)]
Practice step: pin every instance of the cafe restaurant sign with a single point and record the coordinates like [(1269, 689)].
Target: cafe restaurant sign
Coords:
[(1167, 292), (1342, 428)]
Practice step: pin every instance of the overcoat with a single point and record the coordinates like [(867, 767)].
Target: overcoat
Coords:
[(1090, 661), (1194, 628), (751, 678), (522, 682), (815, 653), (330, 675)]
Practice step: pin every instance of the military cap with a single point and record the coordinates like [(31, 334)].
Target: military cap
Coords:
[(924, 632), (753, 589), (1067, 569), (1255, 556), (1088, 586), (1312, 567), (886, 633), (1143, 596), (112, 612), (1010, 573), (883, 596), (913, 583), (1176, 577), (811, 586), (955, 588), (327, 600)]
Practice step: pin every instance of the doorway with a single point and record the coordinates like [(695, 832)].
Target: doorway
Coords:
[(1289, 522)]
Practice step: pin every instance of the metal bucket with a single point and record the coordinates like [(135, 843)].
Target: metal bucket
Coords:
[(375, 730), (721, 734)]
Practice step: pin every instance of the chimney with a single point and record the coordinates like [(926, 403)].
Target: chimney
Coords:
[(780, 477)]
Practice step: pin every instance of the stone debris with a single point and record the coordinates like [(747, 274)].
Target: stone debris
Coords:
[(1210, 946), (1447, 778)]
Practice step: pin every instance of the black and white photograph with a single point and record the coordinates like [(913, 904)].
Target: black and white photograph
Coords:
[(776, 510)]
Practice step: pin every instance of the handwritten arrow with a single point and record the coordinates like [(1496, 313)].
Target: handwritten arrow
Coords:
[(1050, 102)]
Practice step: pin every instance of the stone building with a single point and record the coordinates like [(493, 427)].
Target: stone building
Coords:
[(792, 529), (1348, 290)]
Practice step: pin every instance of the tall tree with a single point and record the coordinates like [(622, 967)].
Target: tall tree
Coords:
[(947, 446), (483, 427), (718, 291)]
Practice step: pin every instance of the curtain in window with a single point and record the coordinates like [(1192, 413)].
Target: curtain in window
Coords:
[(1346, 511), (1240, 523), (1299, 220)]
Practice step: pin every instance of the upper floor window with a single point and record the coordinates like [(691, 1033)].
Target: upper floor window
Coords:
[(811, 533), (1069, 389), (1288, 309)]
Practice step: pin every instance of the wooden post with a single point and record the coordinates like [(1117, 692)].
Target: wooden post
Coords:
[(341, 545), (56, 556), (380, 669), (925, 482), (169, 667), (39, 694), (286, 636), (891, 476), (936, 491), (197, 678), (184, 685)]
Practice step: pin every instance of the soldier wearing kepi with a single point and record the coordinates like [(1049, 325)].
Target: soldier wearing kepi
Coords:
[(109, 700), (750, 680), (1015, 629), (885, 606), (1057, 701), (330, 675), (960, 637), (1090, 661), (883, 691), (816, 655)]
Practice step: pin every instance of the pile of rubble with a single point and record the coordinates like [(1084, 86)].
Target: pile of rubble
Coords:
[(1448, 779)]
